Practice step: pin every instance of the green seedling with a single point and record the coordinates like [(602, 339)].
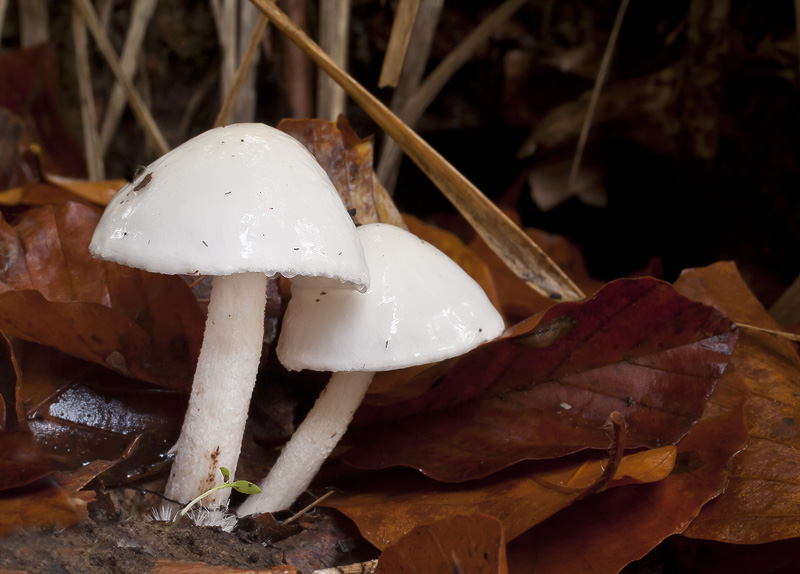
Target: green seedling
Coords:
[(243, 486)]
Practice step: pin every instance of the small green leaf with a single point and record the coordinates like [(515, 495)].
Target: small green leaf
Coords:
[(226, 474), (245, 487)]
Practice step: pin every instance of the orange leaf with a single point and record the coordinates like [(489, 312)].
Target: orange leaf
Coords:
[(471, 544), (763, 495), (142, 325), (385, 508), (50, 507)]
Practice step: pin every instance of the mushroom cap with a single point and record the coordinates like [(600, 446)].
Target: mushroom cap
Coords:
[(239, 198), (421, 307)]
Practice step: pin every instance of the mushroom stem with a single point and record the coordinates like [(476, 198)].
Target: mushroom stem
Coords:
[(212, 431), (310, 444)]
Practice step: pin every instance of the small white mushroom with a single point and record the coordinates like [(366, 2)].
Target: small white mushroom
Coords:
[(421, 307), (241, 202)]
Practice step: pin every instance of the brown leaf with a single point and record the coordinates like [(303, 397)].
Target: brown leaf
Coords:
[(142, 325), (49, 506), (21, 462), (471, 544), (603, 533), (33, 73), (387, 507), (83, 413), (636, 347), (763, 495)]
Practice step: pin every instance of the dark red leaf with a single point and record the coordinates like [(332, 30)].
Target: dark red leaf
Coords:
[(636, 347)]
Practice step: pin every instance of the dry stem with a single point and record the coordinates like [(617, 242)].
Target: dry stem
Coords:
[(334, 28), (141, 14), (403, 24), (91, 139), (598, 87), (433, 84), (137, 104), (512, 245)]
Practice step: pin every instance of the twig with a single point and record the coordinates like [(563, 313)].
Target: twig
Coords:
[(250, 52), (598, 86), (91, 143), (618, 442), (334, 28), (34, 22), (137, 104), (413, 69), (367, 567), (307, 508), (402, 26), (141, 14), (436, 80), (511, 244), (784, 334)]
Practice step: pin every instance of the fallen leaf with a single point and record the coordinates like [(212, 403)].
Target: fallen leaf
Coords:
[(473, 544), (98, 192), (763, 495), (387, 507), (82, 413), (636, 347), (21, 462), (33, 72), (143, 325), (604, 532), (47, 507)]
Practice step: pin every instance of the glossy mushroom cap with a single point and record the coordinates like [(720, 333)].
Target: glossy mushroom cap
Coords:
[(239, 198), (421, 307)]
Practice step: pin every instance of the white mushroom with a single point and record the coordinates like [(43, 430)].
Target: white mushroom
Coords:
[(421, 307), (241, 202)]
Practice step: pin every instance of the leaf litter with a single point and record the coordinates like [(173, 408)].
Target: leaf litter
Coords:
[(636, 347)]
